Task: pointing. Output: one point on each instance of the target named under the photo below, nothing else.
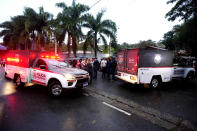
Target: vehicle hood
(73, 71)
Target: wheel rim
(190, 77)
(56, 90)
(18, 81)
(155, 83)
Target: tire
(17, 81)
(55, 89)
(79, 89)
(155, 82)
(6, 75)
(190, 76)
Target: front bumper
(80, 81)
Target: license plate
(85, 84)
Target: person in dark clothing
(109, 68)
(113, 68)
(70, 62)
(96, 66)
(74, 63)
(80, 66)
(89, 69)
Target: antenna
(95, 4)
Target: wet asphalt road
(31, 109)
(178, 98)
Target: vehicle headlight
(69, 76)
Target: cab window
(41, 64)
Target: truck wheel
(190, 76)
(155, 82)
(55, 89)
(6, 76)
(17, 81)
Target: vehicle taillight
(133, 78)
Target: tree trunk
(68, 44)
(95, 45)
(74, 46)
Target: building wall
(89, 54)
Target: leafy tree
(71, 19)
(99, 29)
(7, 32)
(183, 36)
(36, 25)
(13, 32)
(26, 29)
(183, 9)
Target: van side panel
(155, 58)
(145, 75)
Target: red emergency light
(50, 57)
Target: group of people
(107, 66)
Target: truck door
(178, 72)
(178, 69)
(131, 61)
(121, 61)
(39, 72)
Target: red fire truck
(145, 66)
(26, 67)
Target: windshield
(57, 64)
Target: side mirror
(43, 67)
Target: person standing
(109, 67)
(95, 67)
(113, 68)
(74, 63)
(103, 67)
(89, 69)
(79, 63)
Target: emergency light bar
(51, 57)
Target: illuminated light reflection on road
(8, 89)
(29, 84)
(69, 124)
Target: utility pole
(55, 42)
(55, 48)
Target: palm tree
(7, 32)
(25, 29)
(99, 29)
(71, 19)
(37, 26)
(14, 32)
